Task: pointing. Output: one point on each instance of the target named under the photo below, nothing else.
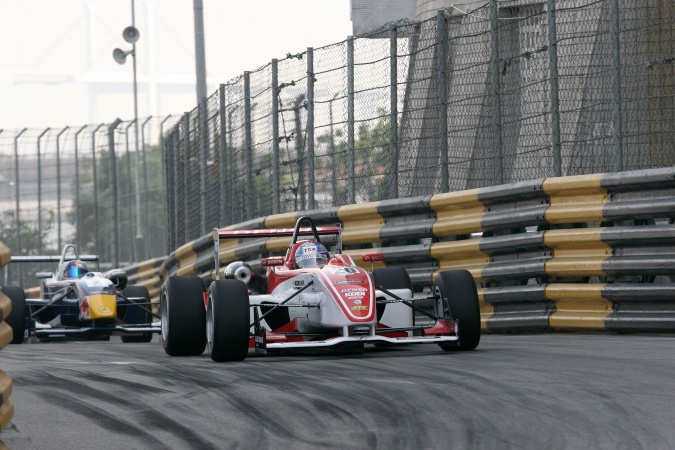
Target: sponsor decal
(354, 289)
(104, 310)
(350, 275)
(299, 283)
(272, 261)
(357, 301)
(354, 294)
(372, 257)
(344, 270)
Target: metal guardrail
(590, 252)
(585, 253)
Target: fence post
(186, 161)
(333, 156)
(132, 211)
(174, 167)
(231, 166)
(393, 112)
(441, 74)
(276, 196)
(144, 197)
(115, 244)
(94, 175)
(77, 189)
(351, 191)
(496, 100)
(616, 84)
(299, 151)
(555, 99)
(248, 149)
(58, 185)
(201, 134)
(39, 191)
(310, 128)
(223, 193)
(164, 161)
(17, 216)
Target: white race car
(312, 299)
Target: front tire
(458, 300)
(183, 316)
(17, 318)
(135, 315)
(227, 321)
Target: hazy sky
(56, 65)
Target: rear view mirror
(43, 275)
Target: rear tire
(17, 317)
(183, 316)
(227, 321)
(459, 301)
(136, 314)
(390, 278)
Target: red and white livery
(311, 298)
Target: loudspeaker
(130, 34)
(120, 56)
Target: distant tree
(32, 239)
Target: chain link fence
(59, 186)
(512, 91)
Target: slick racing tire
(459, 301)
(227, 321)
(140, 316)
(183, 316)
(390, 278)
(17, 318)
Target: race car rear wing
(275, 232)
(53, 258)
(33, 259)
(333, 230)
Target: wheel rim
(444, 309)
(164, 314)
(209, 324)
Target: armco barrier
(6, 406)
(583, 253)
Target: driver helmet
(75, 269)
(311, 254)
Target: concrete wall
(369, 15)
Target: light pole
(131, 35)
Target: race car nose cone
(102, 306)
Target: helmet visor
(315, 260)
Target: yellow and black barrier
(6, 335)
(591, 252)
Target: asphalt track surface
(517, 391)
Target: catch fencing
(59, 186)
(516, 90)
(510, 92)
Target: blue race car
(78, 303)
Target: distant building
(370, 15)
